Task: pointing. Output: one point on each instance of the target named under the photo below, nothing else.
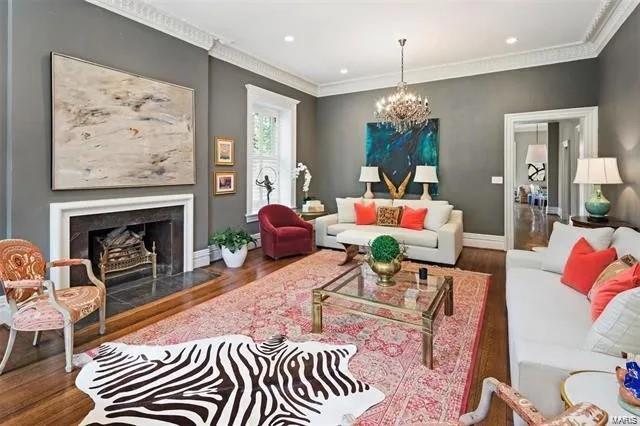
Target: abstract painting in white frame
(112, 128)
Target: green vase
(597, 206)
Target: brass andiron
(122, 250)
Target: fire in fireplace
(123, 249)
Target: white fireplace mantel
(60, 215)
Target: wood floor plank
(37, 390)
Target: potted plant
(385, 258)
(233, 245)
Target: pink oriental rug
(388, 355)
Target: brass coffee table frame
(444, 296)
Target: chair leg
(68, 347)
(102, 314)
(36, 338)
(7, 352)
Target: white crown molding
(155, 18)
(531, 127)
(236, 57)
(610, 16)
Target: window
(271, 149)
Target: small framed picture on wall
(224, 151)
(224, 183)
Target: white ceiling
(446, 38)
(362, 35)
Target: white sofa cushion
(564, 237)
(423, 238)
(617, 329)
(626, 241)
(437, 215)
(347, 212)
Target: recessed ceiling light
(511, 40)
(343, 70)
(289, 38)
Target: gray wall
(471, 112)
(3, 127)
(80, 29)
(553, 134)
(228, 117)
(619, 116)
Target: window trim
(257, 96)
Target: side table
(597, 387)
(611, 222)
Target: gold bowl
(386, 271)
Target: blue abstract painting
(397, 154)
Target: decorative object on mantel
(268, 182)
(233, 245)
(385, 258)
(396, 154)
(597, 171)
(369, 174)
(224, 183)
(224, 151)
(397, 193)
(403, 110)
(111, 128)
(302, 168)
(123, 249)
(425, 175)
(327, 392)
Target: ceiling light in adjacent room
(343, 71)
(289, 38)
(511, 40)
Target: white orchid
(307, 176)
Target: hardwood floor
(532, 226)
(36, 390)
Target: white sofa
(441, 246)
(550, 325)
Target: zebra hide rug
(227, 380)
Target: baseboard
(215, 254)
(554, 210)
(201, 257)
(494, 242)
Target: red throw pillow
(413, 218)
(625, 280)
(585, 265)
(365, 213)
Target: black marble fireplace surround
(163, 225)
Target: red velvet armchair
(283, 232)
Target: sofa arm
(450, 237)
(524, 259)
(321, 225)
(542, 368)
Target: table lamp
(597, 171)
(369, 174)
(425, 175)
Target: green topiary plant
(384, 248)
(232, 239)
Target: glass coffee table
(356, 291)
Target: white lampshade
(425, 174)
(536, 154)
(597, 171)
(369, 174)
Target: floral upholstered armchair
(583, 414)
(34, 302)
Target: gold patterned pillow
(620, 265)
(389, 216)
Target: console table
(611, 222)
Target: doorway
(541, 151)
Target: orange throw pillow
(624, 281)
(413, 218)
(585, 265)
(365, 214)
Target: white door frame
(588, 117)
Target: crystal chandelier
(403, 110)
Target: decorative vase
(386, 271)
(235, 259)
(597, 206)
